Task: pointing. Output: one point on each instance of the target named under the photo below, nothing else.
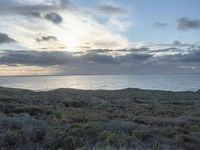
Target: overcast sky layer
(40, 37)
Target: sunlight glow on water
(174, 82)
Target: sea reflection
(175, 82)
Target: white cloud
(115, 24)
(78, 29)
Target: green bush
(69, 143)
(76, 104)
(5, 100)
(58, 115)
(115, 138)
(32, 110)
(142, 135)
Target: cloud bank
(174, 59)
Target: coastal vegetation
(69, 119)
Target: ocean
(167, 82)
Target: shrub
(32, 110)
(142, 135)
(58, 115)
(76, 104)
(38, 135)
(120, 125)
(117, 139)
(6, 100)
(69, 143)
(11, 138)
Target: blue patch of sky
(144, 13)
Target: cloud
(135, 58)
(170, 49)
(54, 17)
(143, 55)
(119, 25)
(185, 24)
(33, 14)
(109, 9)
(51, 16)
(54, 58)
(91, 58)
(189, 58)
(177, 43)
(188, 67)
(46, 38)
(106, 61)
(27, 21)
(192, 57)
(65, 3)
(160, 25)
(4, 38)
(14, 6)
(35, 58)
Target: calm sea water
(173, 82)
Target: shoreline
(77, 89)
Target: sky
(67, 37)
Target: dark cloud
(99, 51)
(33, 14)
(39, 58)
(131, 50)
(192, 57)
(65, 3)
(51, 16)
(180, 46)
(54, 17)
(138, 50)
(109, 9)
(4, 38)
(135, 58)
(14, 7)
(98, 59)
(187, 23)
(160, 25)
(101, 63)
(177, 43)
(53, 58)
(36, 58)
(46, 38)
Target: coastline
(99, 119)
